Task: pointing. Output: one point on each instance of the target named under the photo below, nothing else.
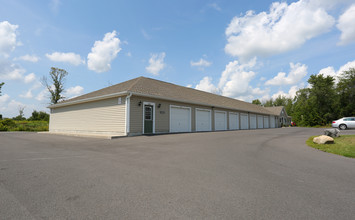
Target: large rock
(333, 132)
(323, 139)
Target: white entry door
(203, 120)
(220, 120)
(180, 119)
(233, 120)
(244, 121)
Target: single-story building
(284, 119)
(148, 106)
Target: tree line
(326, 99)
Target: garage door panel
(244, 121)
(180, 120)
(266, 122)
(252, 121)
(220, 119)
(203, 120)
(260, 121)
(272, 121)
(233, 121)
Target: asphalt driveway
(259, 174)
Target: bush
(8, 122)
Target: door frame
(152, 104)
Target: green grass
(14, 125)
(343, 145)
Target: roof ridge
(135, 82)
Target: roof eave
(88, 99)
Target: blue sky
(241, 49)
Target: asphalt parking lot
(258, 174)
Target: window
(148, 113)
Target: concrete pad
(89, 135)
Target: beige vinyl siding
(104, 116)
(161, 114)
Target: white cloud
(235, 79)
(3, 99)
(206, 85)
(29, 58)
(74, 91)
(10, 71)
(27, 95)
(71, 58)
(30, 78)
(156, 63)
(201, 63)
(42, 95)
(214, 6)
(8, 40)
(283, 28)
(291, 93)
(346, 24)
(330, 71)
(297, 73)
(103, 52)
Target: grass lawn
(343, 145)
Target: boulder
(333, 132)
(323, 139)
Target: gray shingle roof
(159, 89)
(276, 110)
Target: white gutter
(127, 115)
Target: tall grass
(13, 125)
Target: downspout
(128, 107)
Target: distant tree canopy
(256, 102)
(323, 102)
(39, 116)
(55, 85)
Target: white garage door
(260, 121)
(220, 120)
(244, 121)
(272, 121)
(203, 120)
(266, 122)
(233, 120)
(180, 119)
(252, 121)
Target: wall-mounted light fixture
(159, 105)
(139, 103)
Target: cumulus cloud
(156, 63)
(71, 58)
(8, 40)
(30, 78)
(330, 71)
(29, 58)
(297, 72)
(206, 85)
(42, 95)
(27, 95)
(201, 63)
(283, 28)
(74, 91)
(10, 71)
(235, 78)
(103, 52)
(291, 93)
(346, 24)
